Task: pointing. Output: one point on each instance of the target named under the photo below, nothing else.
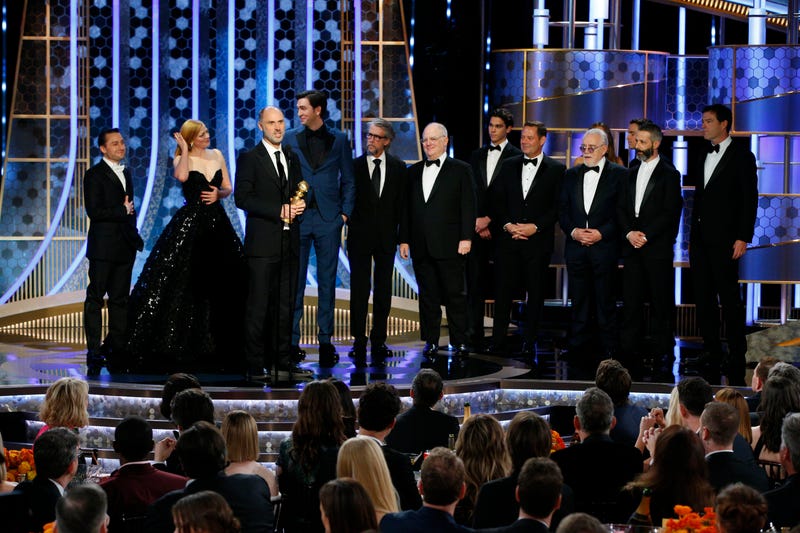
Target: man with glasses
(587, 214)
(437, 231)
(380, 181)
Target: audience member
(481, 445)
(202, 454)
(5, 485)
(56, 457)
(175, 384)
(581, 523)
(597, 468)
(307, 459)
(421, 427)
(678, 475)
(240, 432)
(740, 509)
(136, 483)
(760, 375)
(360, 458)
(378, 407)
(82, 510)
(615, 380)
(782, 501)
(187, 407)
(781, 395)
(65, 405)
(718, 428)
(442, 485)
(657, 418)
(735, 399)
(348, 409)
(345, 507)
(206, 512)
(786, 370)
(528, 436)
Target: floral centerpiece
(19, 464)
(691, 522)
(556, 442)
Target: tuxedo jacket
(41, 496)
(724, 210)
(375, 221)
(260, 193)
(782, 503)
(539, 207)
(402, 478)
(112, 232)
(434, 228)
(131, 488)
(332, 184)
(420, 428)
(602, 214)
(424, 520)
(521, 525)
(485, 184)
(660, 213)
(724, 469)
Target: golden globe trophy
(302, 189)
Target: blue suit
(331, 194)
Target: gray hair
(600, 132)
(441, 127)
(82, 509)
(786, 370)
(595, 411)
(580, 523)
(385, 125)
(790, 437)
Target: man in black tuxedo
(266, 178)
(588, 217)
(486, 162)
(525, 210)
(782, 501)
(723, 218)
(649, 213)
(437, 229)
(111, 247)
(719, 425)
(373, 235)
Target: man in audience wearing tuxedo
(783, 509)
(188, 406)
(437, 233)
(378, 407)
(83, 510)
(524, 208)
(381, 187)
(633, 126)
(486, 162)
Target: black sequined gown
(187, 308)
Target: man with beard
(649, 213)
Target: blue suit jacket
(332, 183)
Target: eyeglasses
(430, 139)
(376, 137)
(589, 148)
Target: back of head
(427, 387)
(694, 393)
(790, 437)
(133, 438)
(240, 431)
(175, 384)
(442, 477)
(781, 395)
(481, 445)
(764, 365)
(345, 398)
(361, 458)
(347, 506)
(735, 399)
(722, 422)
(679, 460)
(528, 436)
(190, 406)
(319, 422)
(581, 523)
(54, 451)
(378, 406)
(595, 411)
(201, 450)
(65, 404)
(786, 370)
(539, 486)
(615, 380)
(204, 511)
(82, 509)
(741, 509)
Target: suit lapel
(651, 184)
(601, 187)
(266, 161)
(539, 173)
(442, 171)
(721, 164)
(483, 165)
(302, 143)
(115, 179)
(503, 156)
(579, 192)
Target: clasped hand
(586, 236)
(209, 197)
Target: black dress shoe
(327, 349)
(258, 376)
(381, 351)
(297, 354)
(430, 349)
(462, 350)
(359, 351)
(286, 372)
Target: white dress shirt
(284, 161)
(712, 158)
(371, 168)
(529, 171)
(591, 179)
(646, 169)
(492, 158)
(429, 174)
(118, 170)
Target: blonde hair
(673, 416)
(240, 432)
(65, 404)
(361, 458)
(482, 446)
(189, 131)
(734, 397)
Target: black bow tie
(587, 169)
(713, 148)
(495, 147)
(525, 161)
(430, 162)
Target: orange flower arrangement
(691, 522)
(19, 463)
(556, 442)
(48, 527)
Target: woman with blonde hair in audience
(345, 507)
(65, 405)
(241, 440)
(204, 512)
(361, 458)
(735, 398)
(482, 447)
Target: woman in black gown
(186, 310)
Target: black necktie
(376, 176)
(495, 147)
(713, 148)
(525, 161)
(587, 169)
(430, 162)
(281, 171)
